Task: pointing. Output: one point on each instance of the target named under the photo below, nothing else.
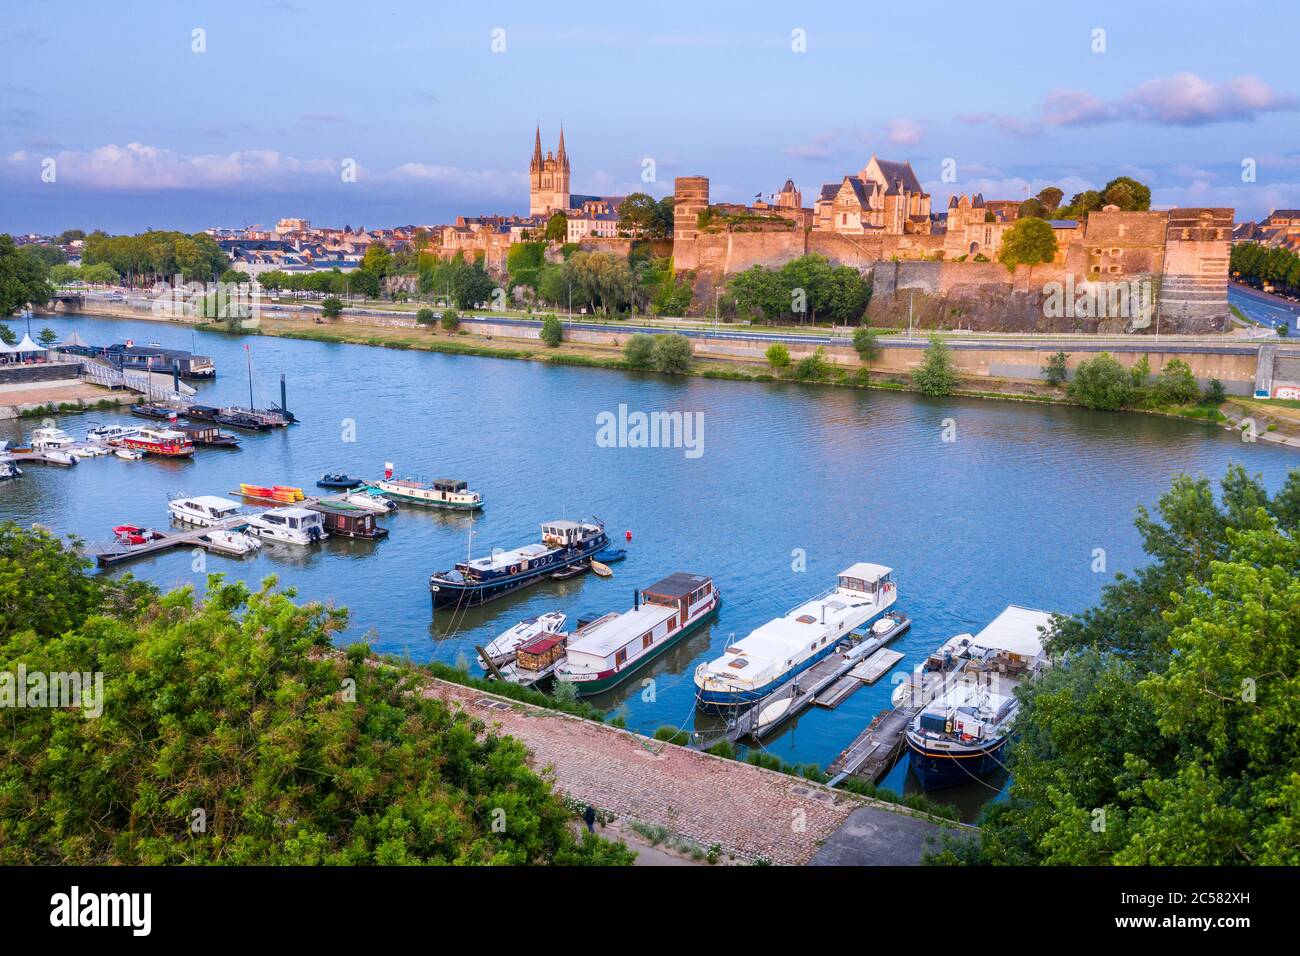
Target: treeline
(1258, 264)
(157, 256)
(297, 754)
(1103, 383)
(600, 282)
(1166, 734)
(1122, 191)
(806, 289)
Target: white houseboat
(44, 439)
(439, 493)
(755, 666)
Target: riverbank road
(750, 812)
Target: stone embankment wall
(1236, 370)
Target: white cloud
(1186, 99)
(902, 131)
(1183, 99)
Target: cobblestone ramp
(747, 810)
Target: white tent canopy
(27, 345)
(7, 349)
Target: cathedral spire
(562, 156)
(537, 148)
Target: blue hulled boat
(479, 580)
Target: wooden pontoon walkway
(116, 552)
(876, 749)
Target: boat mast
(249, 353)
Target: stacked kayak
(284, 493)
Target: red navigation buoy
(627, 535)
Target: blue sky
(145, 132)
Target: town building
(886, 197)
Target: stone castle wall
(1179, 257)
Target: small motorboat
(61, 457)
(368, 500)
(502, 650)
(129, 454)
(337, 480)
(232, 542)
(601, 569)
(108, 434)
(134, 534)
(47, 438)
(9, 469)
(610, 555)
(572, 571)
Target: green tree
(1140, 373)
(1056, 371)
(7, 335)
(234, 277)
(237, 703)
(672, 354)
(1028, 242)
(778, 356)
(1176, 385)
(1032, 207)
(638, 351)
(637, 214)
(1050, 197)
(1127, 193)
(425, 317)
(552, 331)
(22, 279)
(866, 344)
(100, 273)
(1101, 383)
(471, 285)
(450, 320)
(812, 368)
(47, 337)
(331, 307)
(937, 375)
(1169, 717)
(557, 228)
(378, 261)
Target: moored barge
(961, 733)
(606, 652)
(479, 580)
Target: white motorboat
(290, 525)
(203, 510)
(129, 454)
(232, 542)
(368, 501)
(62, 457)
(9, 469)
(108, 434)
(503, 649)
(44, 439)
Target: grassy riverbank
(587, 355)
(607, 357)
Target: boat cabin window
(860, 584)
(621, 657)
(738, 663)
(646, 639)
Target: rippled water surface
(1010, 512)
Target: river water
(793, 483)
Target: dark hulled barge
(479, 580)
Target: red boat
(166, 442)
(133, 534)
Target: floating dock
(39, 457)
(117, 552)
(876, 749)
